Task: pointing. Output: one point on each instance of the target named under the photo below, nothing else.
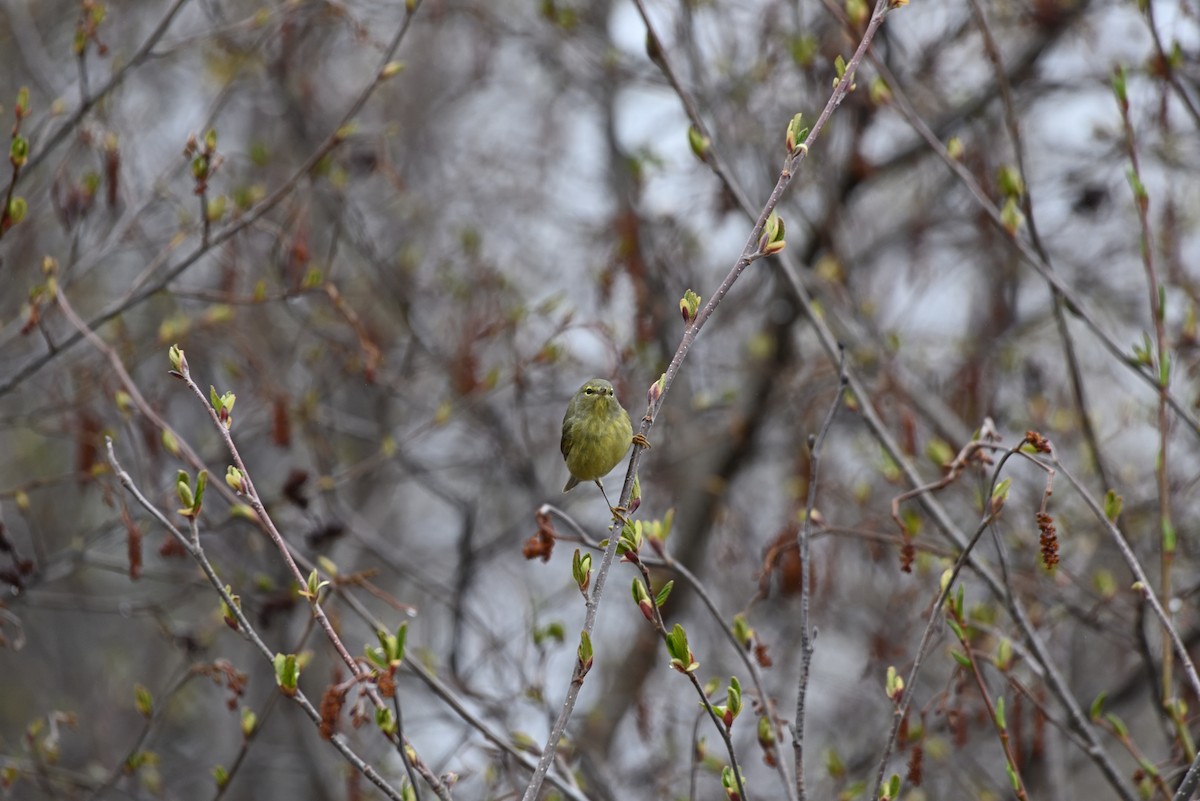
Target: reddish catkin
(915, 762)
(907, 554)
(331, 708)
(1048, 540)
(762, 655)
(387, 683)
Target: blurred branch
(935, 616)
(1013, 125)
(1143, 585)
(88, 101)
(807, 633)
(244, 626)
(260, 209)
(1027, 251)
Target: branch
(807, 633)
(244, 626)
(751, 252)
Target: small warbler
(596, 433)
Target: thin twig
(1143, 582)
(1026, 251)
(1074, 372)
(251, 495)
(1001, 727)
(807, 633)
(664, 561)
(935, 616)
(88, 101)
(256, 503)
(1161, 361)
(244, 625)
(660, 626)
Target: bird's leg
(616, 510)
(640, 439)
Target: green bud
(243, 511)
(656, 390)
(641, 597)
(689, 306)
(682, 658)
(124, 401)
(733, 703)
(18, 152)
(1011, 217)
(17, 209)
(216, 208)
(880, 93)
(178, 361)
(143, 700)
(894, 685)
(312, 279)
(939, 451)
(699, 143)
(742, 631)
(249, 722)
(183, 490)
(1000, 495)
(1010, 181)
(1004, 654)
(581, 570)
(313, 586)
(766, 732)
(227, 611)
(585, 652)
(730, 784)
(235, 480)
(553, 632)
(797, 133)
(857, 12)
(385, 720)
(287, 673)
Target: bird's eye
(587, 391)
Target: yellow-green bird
(596, 433)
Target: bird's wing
(565, 444)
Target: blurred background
(404, 279)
